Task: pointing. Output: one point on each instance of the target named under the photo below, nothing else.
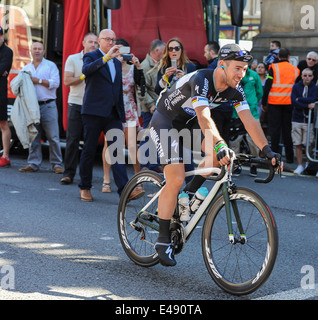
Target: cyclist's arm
(254, 129)
(207, 125)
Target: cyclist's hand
(224, 155)
(274, 157)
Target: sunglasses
(237, 54)
(311, 59)
(241, 53)
(178, 48)
(307, 75)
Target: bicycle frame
(209, 198)
(204, 205)
(222, 181)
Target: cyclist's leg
(169, 147)
(174, 174)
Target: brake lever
(278, 165)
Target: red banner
(140, 22)
(76, 17)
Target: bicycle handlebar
(219, 176)
(243, 158)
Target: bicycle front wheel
(241, 263)
(138, 222)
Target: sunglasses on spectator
(307, 75)
(178, 48)
(312, 59)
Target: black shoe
(253, 171)
(165, 253)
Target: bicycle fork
(227, 190)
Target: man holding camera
(102, 109)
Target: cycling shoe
(165, 253)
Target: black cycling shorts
(174, 141)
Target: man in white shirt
(46, 79)
(74, 79)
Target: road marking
(13, 191)
(106, 238)
(294, 294)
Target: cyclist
(185, 105)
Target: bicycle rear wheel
(138, 227)
(242, 266)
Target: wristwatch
(40, 81)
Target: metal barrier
(314, 152)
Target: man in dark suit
(102, 110)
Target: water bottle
(198, 198)
(184, 209)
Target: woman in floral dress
(132, 75)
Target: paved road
(54, 246)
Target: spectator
(6, 56)
(148, 105)
(277, 91)
(46, 79)
(132, 76)
(167, 74)
(253, 90)
(310, 62)
(304, 95)
(261, 70)
(102, 109)
(254, 65)
(211, 51)
(74, 79)
(272, 57)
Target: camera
(174, 63)
(127, 57)
(124, 49)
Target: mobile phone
(124, 49)
(174, 63)
(127, 57)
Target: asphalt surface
(54, 246)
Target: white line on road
(294, 294)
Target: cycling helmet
(233, 52)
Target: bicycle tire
(137, 238)
(240, 268)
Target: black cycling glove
(223, 150)
(270, 154)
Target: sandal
(106, 187)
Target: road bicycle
(239, 234)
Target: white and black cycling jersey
(196, 89)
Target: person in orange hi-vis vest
(277, 99)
